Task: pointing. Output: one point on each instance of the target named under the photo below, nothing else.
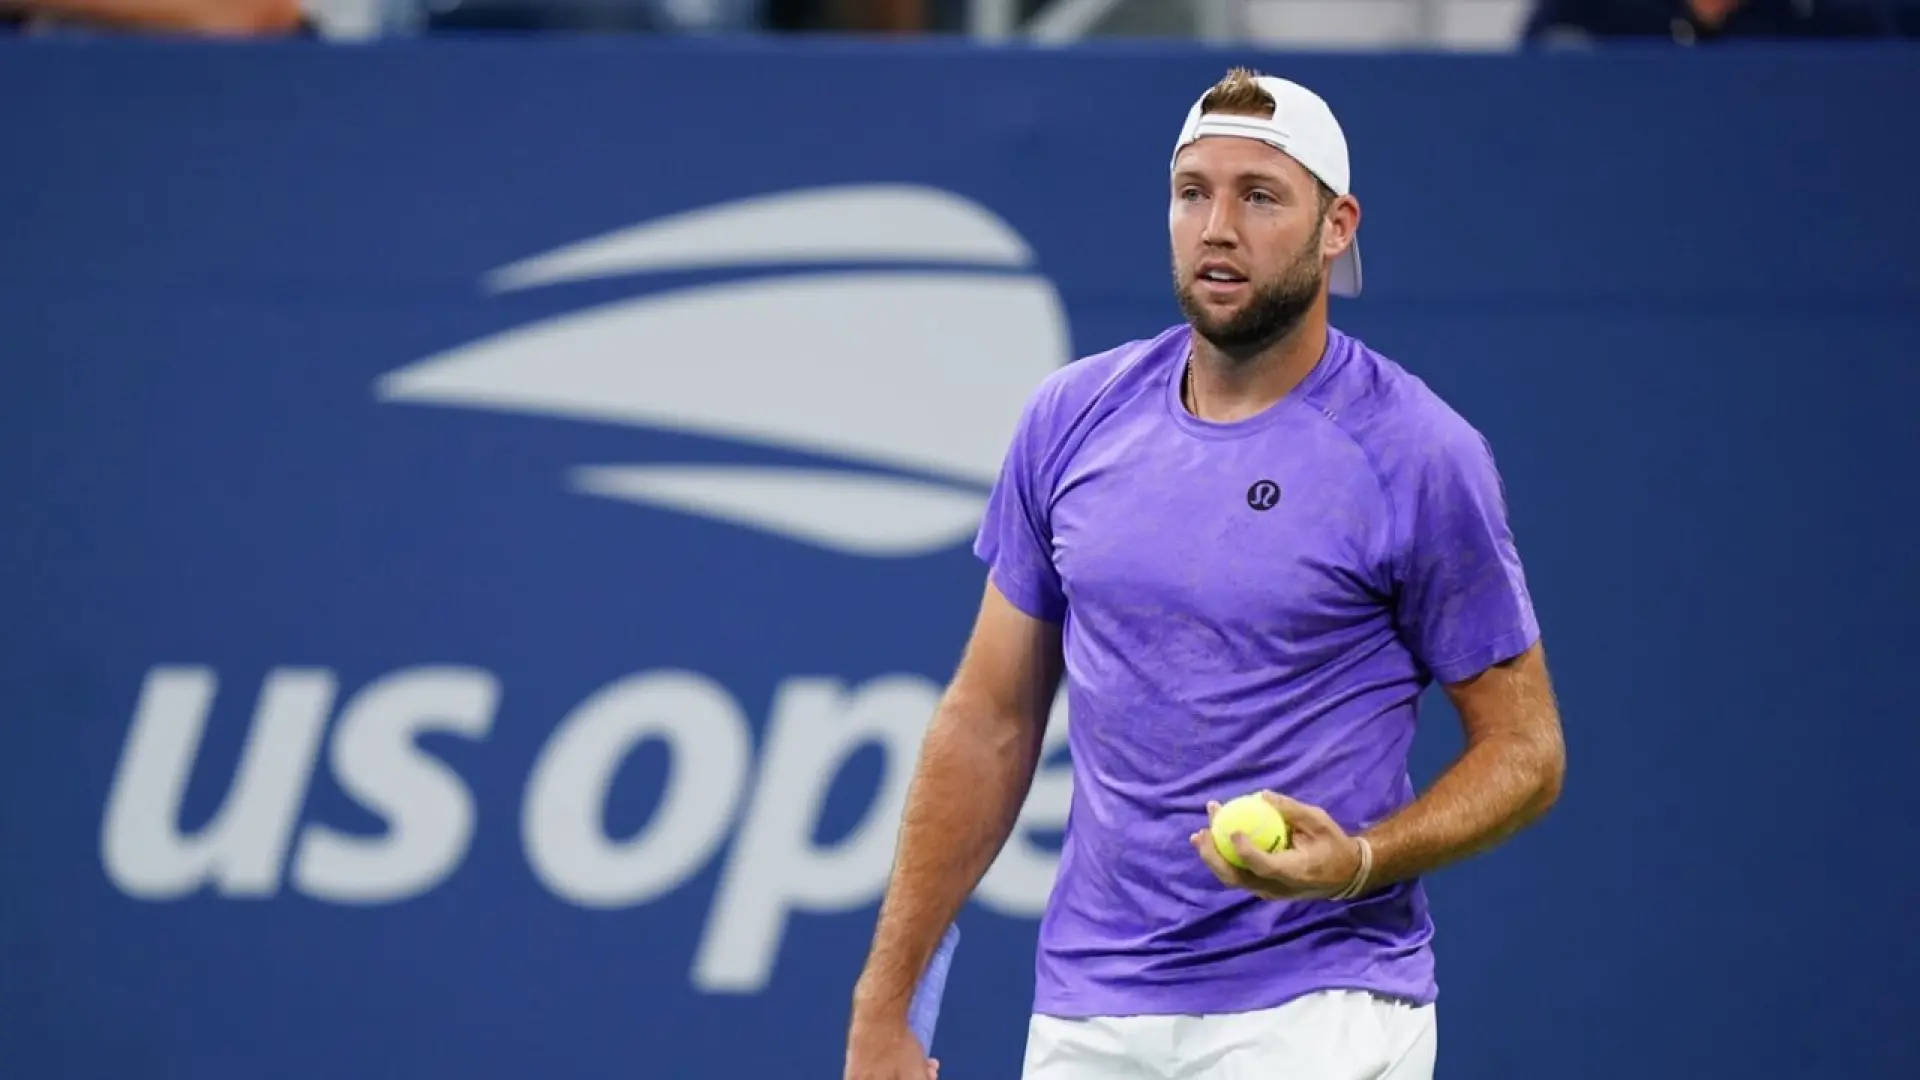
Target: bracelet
(1360, 875)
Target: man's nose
(1219, 230)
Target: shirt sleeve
(1015, 538)
(1461, 600)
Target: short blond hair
(1238, 94)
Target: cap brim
(1346, 272)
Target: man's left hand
(1318, 861)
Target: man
(901, 16)
(1690, 22)
(219, 18)
(1249, 542)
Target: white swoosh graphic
(852, 513)
(921, 371)
(853, 223)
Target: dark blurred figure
(1691, 21)
(895, 16)
(675, 16)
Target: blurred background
(1469, 25)
(488, 486)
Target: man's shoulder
(1393, 414)
(1084, 387)
(1402, 423)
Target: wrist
(878, 1006)
(1362, 870)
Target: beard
(1275, 308)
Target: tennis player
(1248, 544)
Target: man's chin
(1217, 321)
(1244, 327)
(1230, 331)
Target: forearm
(974, 771)
(1496, 787)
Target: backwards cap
(1301, 127)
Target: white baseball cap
(1301, 127)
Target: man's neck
(1224, 386)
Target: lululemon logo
(1263, 494)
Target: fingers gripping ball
(1254, 816)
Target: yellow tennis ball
(1254, 816)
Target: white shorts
(1328, 1035)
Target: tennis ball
(1254, 816)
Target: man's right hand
(976, 764)
(878, 1050)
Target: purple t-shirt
(1247, 605)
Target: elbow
(984, 725)
(1549, 777)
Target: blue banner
(488, 524)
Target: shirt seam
(1379, 483)
(1072, 435)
